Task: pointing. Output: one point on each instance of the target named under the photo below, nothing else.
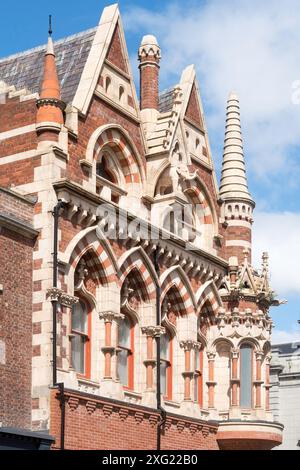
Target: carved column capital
(109, 316)
(187, 344)
(268, 358)
(235, 353)
(57, 295)
(153, 331)
(259, 355)
(211, 355)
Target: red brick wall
(193, 110)
(15, 113)
(115, 54)
(19, 172)
(149, 85)
(15, 317)
(95, 423)
(238, 233)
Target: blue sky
(249, 46)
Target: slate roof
(25, 70)
(287, 348)
(166, 99)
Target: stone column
(235, 381)
(267, 382)
(187, 346)
(108, 349)
(211, 375)
(151, 332)
(258, 382)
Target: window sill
(132, 397)
(86, 381)
(171, 403)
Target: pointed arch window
(81, 332)
(102, 168)
(125, 356)
(246, 375)
(166, 365)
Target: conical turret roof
(233, 178)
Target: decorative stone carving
(188, 344)
(211, 355)
(109, 316)
(57, 295)
(153, 331)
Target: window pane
(123, 367)
(196, 385)
(78, 353)
(246, 377)
(79, 317)
(163, 378)
(124, 333)
(164, 347)
(197, 362)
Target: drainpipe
(61, 388)
(161, 410)
(56, 213)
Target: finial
(50, 26)
(265, 258)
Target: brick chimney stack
(149, 57)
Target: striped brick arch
(197, 197)
(97, 259)
(207, 298)
(136, 263)
(177, 292)
(116, 141)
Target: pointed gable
(115, 54)
(193, 113)
(107, 71)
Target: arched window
(246, 358)
(125, 352)
(80, 344)
(121, 94)
(198, 377)
(107, 84)
(102, 168)
(166, 365)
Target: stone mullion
(235, 381)
(267, 383)
(187, 346)
(211, 382)
(108, 349)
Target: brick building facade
(178, 282)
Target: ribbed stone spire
(233, 178)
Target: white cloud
(280, 336)
(252, 47)
(279, 234)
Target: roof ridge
(43, 46)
